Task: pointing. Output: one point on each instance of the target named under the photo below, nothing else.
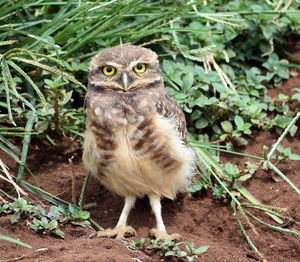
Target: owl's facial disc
(124, 69)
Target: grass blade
(9, 144)
(26, 76)
(280, 229)
(50, 69)
(203, 157)
(15, 241)
(244, 192)
(26, 142)
(245, 234)
(81, 197)
(284, 177)
(6, 86)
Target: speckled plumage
(135, 140)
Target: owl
(135, 140)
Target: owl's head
(124, 68)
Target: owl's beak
(125, 81)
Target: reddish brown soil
(201, 219)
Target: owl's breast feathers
(136, 143)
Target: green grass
(218, 60)
(15, 241)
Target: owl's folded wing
(168, 107)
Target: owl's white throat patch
(97, 111)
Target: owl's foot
(163, 235)
(119, 232)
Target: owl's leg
(121, 230)
(160, 232)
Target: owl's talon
(93, 235)
(119, 232)
(163, 235)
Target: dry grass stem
(10, 180)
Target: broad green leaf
(74, 210)
(296, 97)
(200, 250)
(84, 215)
(168, 67)
(294, 157)
(52, 225)
(245, 177)
(190, 259)
(58, 233)
(241, 141)
(187, 81)
(239, 122)
(293, 130)
(15, 217)
(180, 96)
(201, 101)
(170, 253)
(201, 123)
(268, 30)
(227, 126)
(54, 212)
(66, 99)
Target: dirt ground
(201, 219)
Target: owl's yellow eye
(108, 70)
(140, 68)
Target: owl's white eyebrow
(113, 64)
(133, 64)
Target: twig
(10, 180)
(271, 42)
(7, 195)
(154, 41)
(73, 180)
(209, 58)
(27, 255)
(279, 4)
(3, 200)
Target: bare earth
(202, 219)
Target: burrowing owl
(135, 140)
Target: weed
(285, 154)
(46, 223)
(47, 226)
(169, 249)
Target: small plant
(285, 154)
(236, 134)
(280, 122)
(232, 172)
(276, 70)
(74, 215)
(198, 185)
(47, 227)
(242, 127)
(58, 115)
(169, 249)
(47, 223)
(194, 252)
(21, 208)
